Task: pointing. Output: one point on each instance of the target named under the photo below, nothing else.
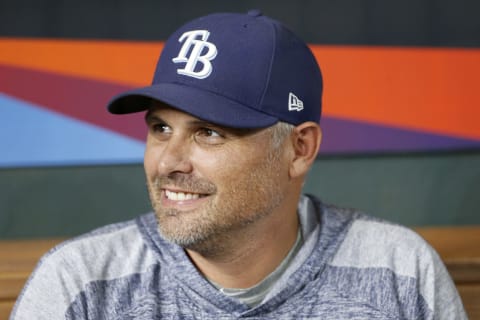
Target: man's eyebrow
(235, 131)
(150, 117)
(203, 123)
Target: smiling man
(227, 195)
(233, 118)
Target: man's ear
(306, 139)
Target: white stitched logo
(197, 39)
(294, 104)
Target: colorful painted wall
(377, 99)
(401, 84)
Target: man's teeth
(180, 196)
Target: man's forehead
(158, 108)
(174, 117)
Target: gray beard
(210, 242)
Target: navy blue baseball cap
(234, 70)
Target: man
(232, 117)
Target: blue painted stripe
(33, 136)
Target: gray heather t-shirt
(254, 295)
(351, 266)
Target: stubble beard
(210, 229)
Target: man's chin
(179, 232)
(201, 241)
(186, 242)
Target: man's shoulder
(106, 252)
(363, 229)
(111, 252)
(102, 239)
(368, 242)
(392, 267)
(372, 241)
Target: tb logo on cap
(198, 40)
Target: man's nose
(175, 157)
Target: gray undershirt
(254, 295)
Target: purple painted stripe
(85, 100)
(76, 97)
(348, 136)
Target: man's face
(206, 181)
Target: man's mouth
(182, 196)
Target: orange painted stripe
(428, 89)
(123, 62)
(435, 90)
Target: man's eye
(208, 136)
(160, 127)
(207, 132)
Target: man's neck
(250, 254)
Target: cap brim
(199, 103)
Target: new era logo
(294, 104)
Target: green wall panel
(414, 190)
(66, 201)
